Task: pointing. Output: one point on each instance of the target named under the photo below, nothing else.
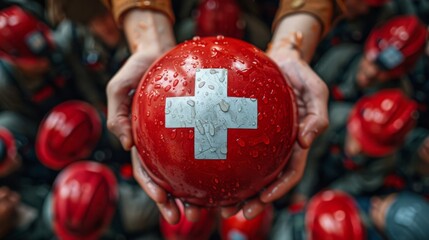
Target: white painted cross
(211, 112)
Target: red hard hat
(84, 200)
(238, 227)
(23, 38)
(185, 229)
(381, 121)
(219, 17)
(68, 133)
(214, 121)
(9, 151)
(333, 215)
(396, 45)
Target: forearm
(149, 31)
(302, 31)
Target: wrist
(120, 8)
(285, 53)
(148, 31)
(287, 47)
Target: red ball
(214, 121)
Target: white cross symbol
(211, 112)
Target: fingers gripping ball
(238, 227)
(186, 229)
(214, 121)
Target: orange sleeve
(322, 10)
(119, 7)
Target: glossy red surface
(254, 157)
(219, 17)
(333, 215)
(407, 34)
(68, 133)
(21, 34)
(238, 227)
(84, 200)
(380, 122)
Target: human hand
(288, 179)
(149, 34)
(119, 91)
(312, 98)
(168, 206)
(165, 203)
(8, 210)
(379, 208)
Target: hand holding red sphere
(214, 121)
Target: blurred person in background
(411, 171)
(107, 208)
(333, 214)
(92, 36)
(390, 53)
(361, 146)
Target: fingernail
(268, 196)
(14, 197)
(168, 213)
(165, 211)
(308, 138)
(226, 214)
(249, 213)
(123, 140)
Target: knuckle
(111, 124)
(324, 123)
(111, 87)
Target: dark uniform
(136, 215)
(413, 170)
(290, 223)
(419, 8)
(420, 89)
(32, 181)
(351, 31)
(25, 101)
(338, 69)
